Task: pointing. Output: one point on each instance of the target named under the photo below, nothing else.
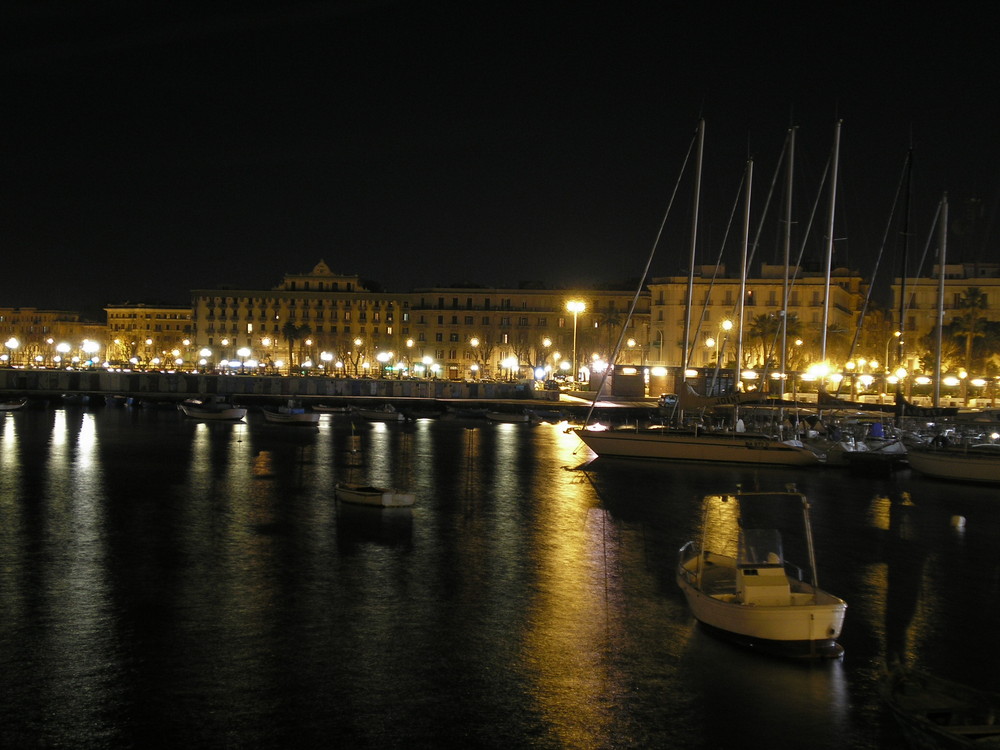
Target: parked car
(667, 400)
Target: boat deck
(718, 580)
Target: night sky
(150, 148)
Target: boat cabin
(760, 569)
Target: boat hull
(958, 464)
(376, 496)
(233, 414)
(656, 444)
(299, 418)
(807, 627)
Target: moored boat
(936, 713)
(693, 445)
(13, 404)
(327, 409)
(744, 588)
(291, 413)
(383, 497)
(964, 463)
(387, 413)
(212, 407)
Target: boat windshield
(760, 548)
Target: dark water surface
(171, 583)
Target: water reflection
(576, 617)
(166, 582)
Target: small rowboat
(383, 497)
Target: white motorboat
(744, 588)
(692, 445)
(383, 497)
(212, 407)
(292, 413)
(971, 463)
(13, 405)
(387, 413)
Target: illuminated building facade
(45, 338)
(149, 335)
(716, 297)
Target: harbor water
(166, 582)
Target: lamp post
(474, 343)
(357, 355)
(12, 343)
(576, 307)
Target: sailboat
(735, 446)
(964, 463)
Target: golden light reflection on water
(575, 619)
(10, 460)
(82, 627)
(720, 527)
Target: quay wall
(180, 385)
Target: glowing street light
(576, 307)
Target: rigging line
(718, 262)
(927, 245)
(808, 230)
(878, 261)
(752, 251)
(760, 224)
(642, 280)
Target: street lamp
(12, 344)
(474, 343)
(576, 307)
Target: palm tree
(290, 332)
(303, 332)
(971, 325)
(767, 329)
(610, 320)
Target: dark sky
(149, 148)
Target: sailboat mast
(694, 242)
(942, 254)
(743, 272)
(829, 236)
(788, 260)
(904, 270)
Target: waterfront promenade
(263, 389)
